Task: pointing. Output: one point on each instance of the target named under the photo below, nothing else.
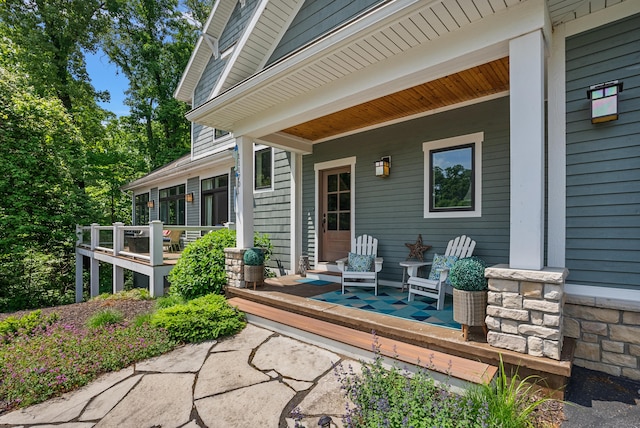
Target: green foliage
(253, 257)
(468, 274)
(104, 318)
(201, 267)
(511, 402)
(204, 318)
(393, 398)
(57, 359)
(170, 300)
(26, 324)
(133, 294)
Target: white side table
(411, 267)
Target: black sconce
(604, 101)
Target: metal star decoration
(416, 250)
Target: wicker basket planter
(254, 274)
(469, 307)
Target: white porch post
(94, 271)
(296, 211)
(79, 274)
(526, 74)
(155, 243)
(244, 194)
(118, 245)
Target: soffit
(483, 80)
(561, 11)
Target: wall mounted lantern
(383, 166)
(604, 101)
(189, 197)
(150, 204)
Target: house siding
(193, 208)
(316, 18)
(202, 136)
(603, 160)
(272, 213)
(392, 209)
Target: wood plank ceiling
(483, 80)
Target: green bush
(105, 317)
(468, 274)
(26, 324)
(204, 318)
(201, 268)
(133, 294)
(253, 257)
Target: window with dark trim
(263, 165)
(219, 133)
(172, 205)
(452, 183)
(141, 210)
(215, 200)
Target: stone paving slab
(163, 399)
(103, 403)
(294, 359)
(225, 371)
(68, 406)
(254, 406)
(186, 359)
(327, 396)
(249, 338)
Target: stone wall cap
(547, 275)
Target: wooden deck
(286, 294)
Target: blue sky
(104, 76)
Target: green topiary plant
(253, 257)
(468, 274)
(200, 270)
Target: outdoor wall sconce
(150, 204)
(383, 166)
(189, 197)
(604, 101)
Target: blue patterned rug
(314, 281)
(391, 301)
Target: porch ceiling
(486, 79)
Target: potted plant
(254, 266)
(469, 293)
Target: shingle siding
(392, 209)
(603, 160)
(316, 18)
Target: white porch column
(118, 245)
(155, 243)
(244, 194)
(296, 211)
(526, 74)
(79, 274)
(556, 113)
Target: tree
(151, 41)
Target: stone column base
(524, 310)
(234, 267)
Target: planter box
(469, 309)
(254, 274)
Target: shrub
(204, 318)
(104, 318)
(253, 257)
(170, 300)
(133, 294)
(26, 324)
(468, 274)
(201, 267)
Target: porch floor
(288, 294)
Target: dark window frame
(178, 198)
(212, 192)
(141, 215)
(432, 152)
(263, 186)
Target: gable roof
(205, 48)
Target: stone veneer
(234, 267)
(524, 310)
(607, 332)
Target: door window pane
(332, 183)
(345, 221)
(332, 202)
(345, 181)
(345, 201)
(332, 221)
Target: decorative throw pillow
(440, 263)
(359, 262)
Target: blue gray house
(294, 101)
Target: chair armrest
(341, 263)
(413, 270)
(444, 273)
(378, 262)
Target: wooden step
(439, 362)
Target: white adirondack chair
(362, 245)
(461, 247)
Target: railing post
(118, 245)
(94, 273)
(155, 243)
(79, 278)
(78, 235)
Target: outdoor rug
(314, 281)
(391, 301)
